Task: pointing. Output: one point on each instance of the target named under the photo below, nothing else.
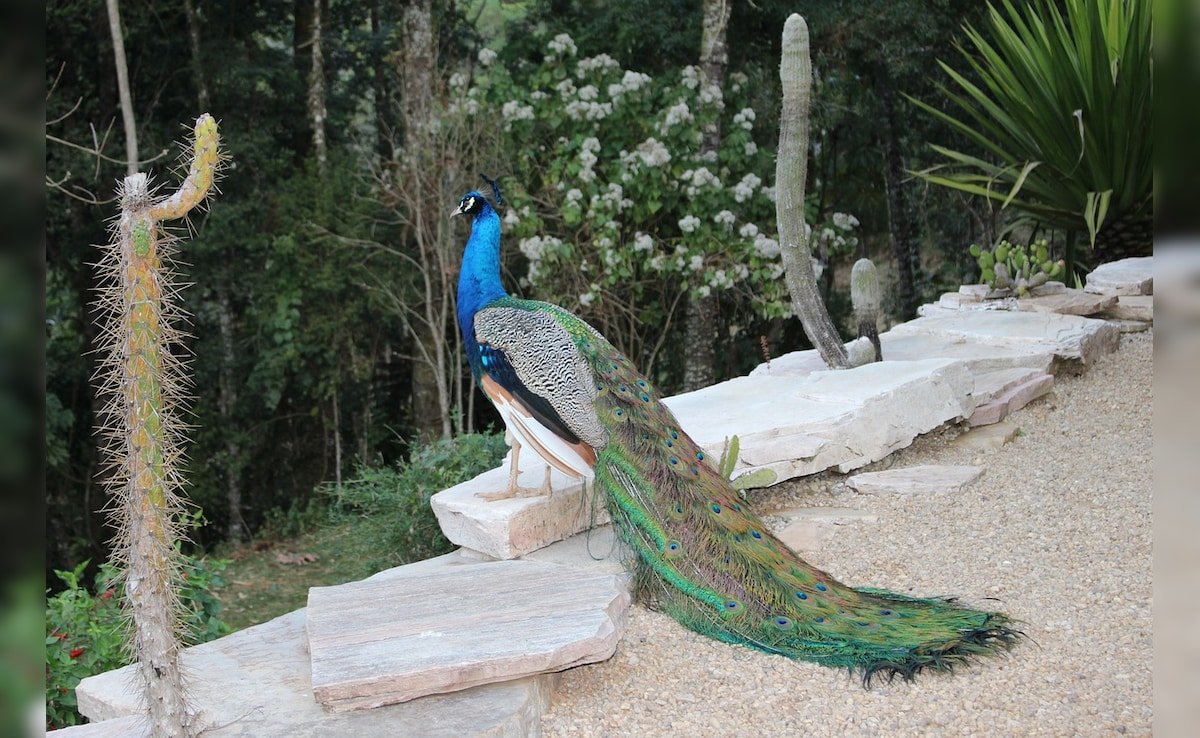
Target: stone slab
(1132, 307)
(1131, 326)
(990, 385)
(925, 479)
(1011, 400)
(976, 356)
(955, 300)
(598, 550)
(505, 529)
(1050, 288)
(807, 530)
(1068, 302)
(380, 642)
(1072, 339)
(988, 437)
(257, 682)
(978, 291)
(1133, 276)
(843, 419)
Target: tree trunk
(316, 89)
(702, 311)
(900, 224)
(193, 19)
(302, 61)
(430, 388)
(383, 117)
(226, 401)
(118, 38)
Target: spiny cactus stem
(791, 170)
(145, 380)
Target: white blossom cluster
(750, 149)
(737, 81)
(580, 110)
(458, 80)
(587, 298)
(631, 82)
(725, 218)
(588, 92)
(691, 77)
(745, 189)
(566, 89)
(696, 179)
(720, 280)
(534, 247)
(748, 230)
(653, 152)
(676, 114)
(595, 63)
(689, 223)
(845, 221)
(745, 118)
(486, 57)
(513, 111)
(513, 216)
(613, 198)
(562, 44)
(767, 248)
(642, 242)
(711, 95)
(574, 195)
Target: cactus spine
(791, 170)
(865, 297)
(145, 382)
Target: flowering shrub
(85, 630)
(612, 200)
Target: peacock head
(475, 203)
(472, 203)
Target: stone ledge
(381, 641)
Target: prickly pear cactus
(1017, 267)
(145, 382)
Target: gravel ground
(1057, 534)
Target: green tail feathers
(707, 560)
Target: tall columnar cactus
(865, 297)
(145, 381)
(791, 169)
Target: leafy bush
(86, 629)
(400, 494)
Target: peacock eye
(468, 204)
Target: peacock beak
(458, 210)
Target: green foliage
(1059, 116)
(1017, 267)
(400, 494)
(85, 628)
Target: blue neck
(479, 277)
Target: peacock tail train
(707, 560)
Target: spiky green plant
(866, 298)
(1060, 117)
(144, 377)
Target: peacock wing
(535, 374)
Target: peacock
(702, 555)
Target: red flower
(76, 653)
(106, 594)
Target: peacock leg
(514, 471)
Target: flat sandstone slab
(1132, 307)
(1071, 338)
(1068, 302)
(1133, 276)
(923, 479)
(387, 640)
(506, 529)
(257, 682)
(1011, 400)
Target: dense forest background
(321, 278)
